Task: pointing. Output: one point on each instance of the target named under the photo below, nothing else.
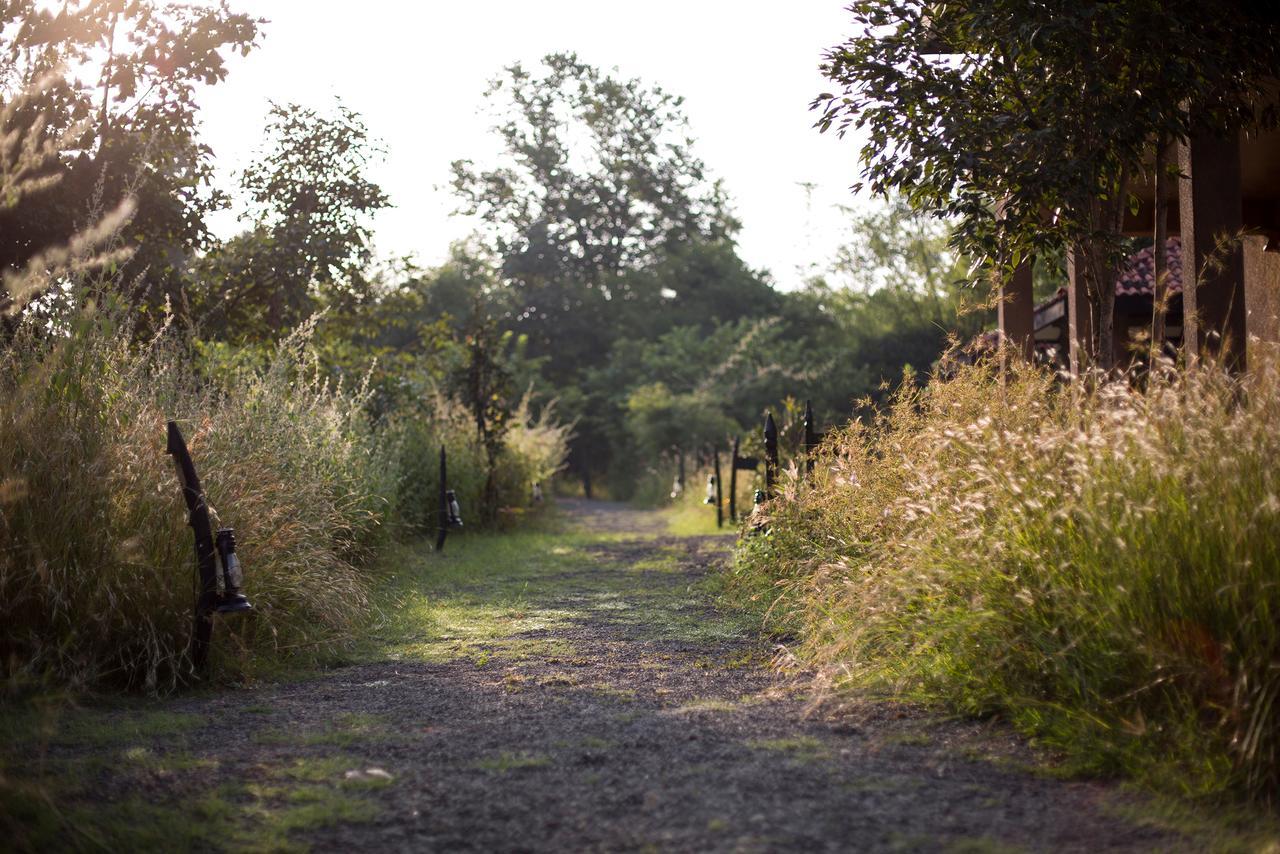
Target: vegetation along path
(581, 690)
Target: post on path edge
(810, 437)
(715, 456)
(770, 454)
(208, 551)
(738, 463)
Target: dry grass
(1101, 567)
(96, 561)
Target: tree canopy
(1026, 122)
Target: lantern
(455, 512)
(232, 601)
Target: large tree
(310, 240)
(117, 81)
(1028, 120)
(603, 219)
(597, 179)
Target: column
(1209, 205)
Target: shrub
(1103, 567)
(533, 451)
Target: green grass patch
(804, 748)
(507, 761)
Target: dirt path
(583, 692)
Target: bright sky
(416, 72)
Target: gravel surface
(649, 720)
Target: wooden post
(770, 454)
(1209, 201)
(733, 482)
(715, 456)
(810, 437)
(442, 515)
(1016, 311)
(206, 565)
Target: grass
(1101, 568)
(492, 597)
(802, 748)
(690, 516)
(96, 569)
(508, 761)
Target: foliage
(124, 126)
(1097, 566)
(1026, 122)
(597, 179)
(309, 245)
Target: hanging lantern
(759, 499)
(711, 490)
(455, 512)
(233, 600)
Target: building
(1225, 208)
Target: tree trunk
(1107, 217)
(1160, 294)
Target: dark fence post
(442, 515)
(770, 454)
(198, 519)
(733, 482)
(719, 495)
(810, 437)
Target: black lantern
(759, 499)
(455, 512)
(232, 601)
(711, 490)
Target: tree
(1027, 121)
(483, 383)
(598, 179)
(127, 125)
(310, 243)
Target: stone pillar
(1082, 343)
(1209, 203)
(1017, 311)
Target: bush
(1102, 567)
(533, 451)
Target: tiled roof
(1138, 279)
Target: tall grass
(96, 561)
(96, 580)
(534, 448)
(1102, 567)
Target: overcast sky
(416, 72)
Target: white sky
(416, 72)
